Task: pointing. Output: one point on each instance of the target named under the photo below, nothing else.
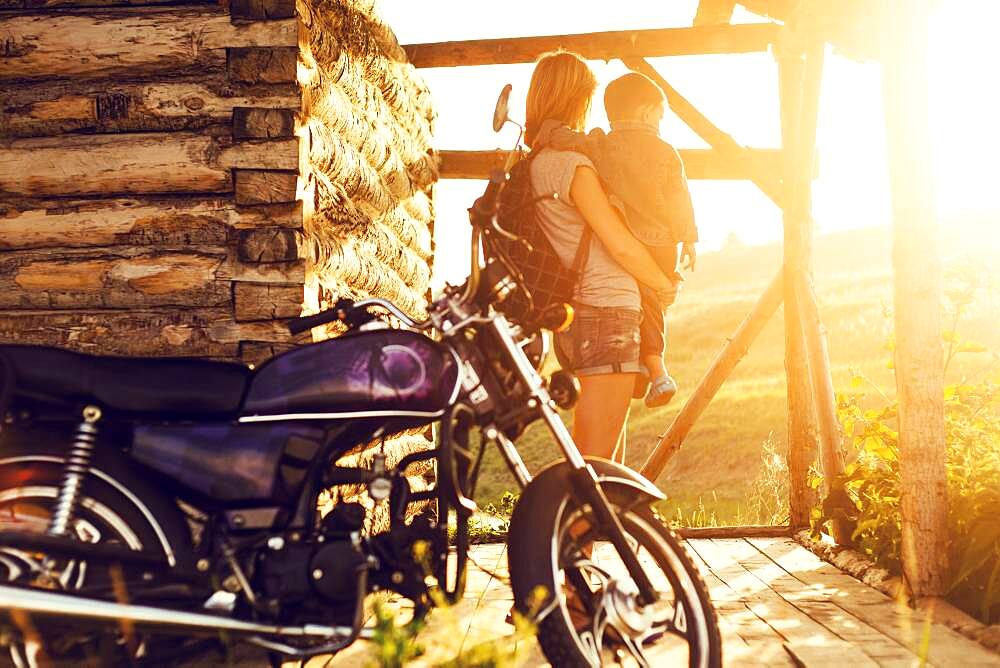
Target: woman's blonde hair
(562, 87)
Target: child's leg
(662, 386)
(654, 335)
(652, 343)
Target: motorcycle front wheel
(571, 581)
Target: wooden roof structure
(797, 32)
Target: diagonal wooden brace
(735, 350)
(707, 130)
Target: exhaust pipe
(47, 603)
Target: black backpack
(542, 273)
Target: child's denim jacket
(643, 173)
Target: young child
(645, 179)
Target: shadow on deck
(778, 605)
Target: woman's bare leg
(601, 411)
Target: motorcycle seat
(175, 387)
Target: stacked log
(148, 176)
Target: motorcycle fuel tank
(389, 372)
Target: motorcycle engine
(314, 581)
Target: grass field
(713, 472)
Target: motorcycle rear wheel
(594, 619)
(28, 492)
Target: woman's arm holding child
(608, 226)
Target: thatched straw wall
(367, 120)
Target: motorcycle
(153, 508)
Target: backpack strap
(582, 250)
(583, 246)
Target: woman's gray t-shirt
(604, 282)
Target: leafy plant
(394, 644)
(492, 523)
(872, 480)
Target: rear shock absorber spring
(74, 471)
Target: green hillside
(722, 455)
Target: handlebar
(346, 310)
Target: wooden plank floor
(778, 605)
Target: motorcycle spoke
(67, 573)
(580, 586)
(600, 627)
(591, 572)
(634, 647)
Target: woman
(602, 345)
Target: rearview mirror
(500, 116)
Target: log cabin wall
(167, 186)
(148, 176)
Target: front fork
(586, 486)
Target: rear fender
(111, 469)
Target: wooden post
(736, 348)
(802, 444)
(919, 364)
(798, 226)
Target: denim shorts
(600, 341)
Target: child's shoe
(662, 391)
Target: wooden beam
(72, 4)
(745, 38)
(182, 331)
(138, 163)
(169, 222)
(709, 132)
(917, 306)
(798, 207)
(735, 349)
(264, 301)
(51, 108)
(711, 12)
(113, 278)
(704, 164)
(130, 43)
(755, 531)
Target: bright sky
(739, 94)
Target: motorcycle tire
(115, 506)
(537, 548)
